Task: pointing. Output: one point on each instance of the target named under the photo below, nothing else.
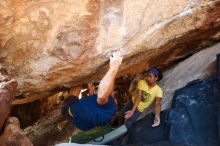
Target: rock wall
(29, 113)
(13, 135)
(7, 93)
(48, 43)
(201, 65)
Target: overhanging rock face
(45, 44)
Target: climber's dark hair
(156, 72)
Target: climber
(147, 91)
(95, 109)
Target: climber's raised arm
(107, 82)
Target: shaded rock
(163, 143)
(46, 44)
(218, 66)
(199, 66)
(13, 135)
(29, 113)
(142, 131)
(45, 131)
(7, 93)
(194, 118)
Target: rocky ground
(45, 131)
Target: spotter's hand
(128, 114)
(156, 121)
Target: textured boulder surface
(13, 135)
(48, 44)
(7, 93)
(199, 66)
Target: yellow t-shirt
(148, 95)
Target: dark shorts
(68, 102)
(133, 119)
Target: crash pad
(86, 136)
